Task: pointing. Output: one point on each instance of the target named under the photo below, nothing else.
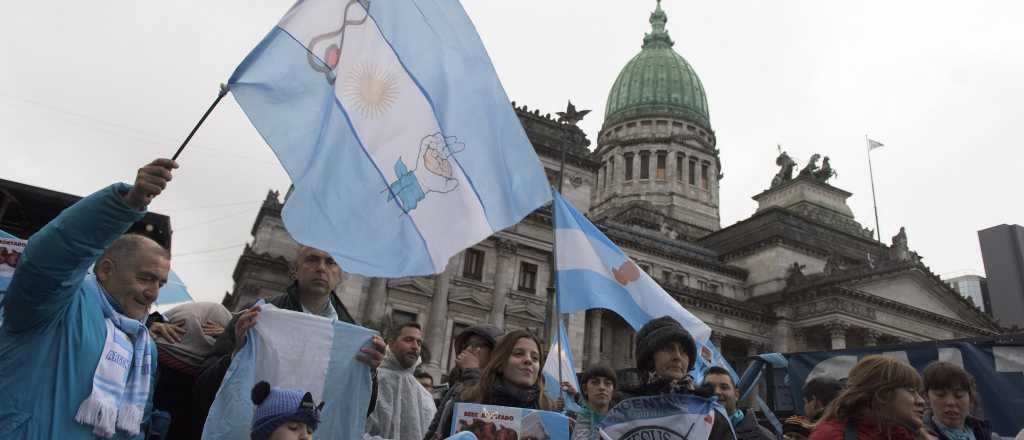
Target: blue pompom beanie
(276, 406)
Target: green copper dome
(657, 82)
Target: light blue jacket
(53, 333)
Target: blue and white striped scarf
(120, 385)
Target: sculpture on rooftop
(786, 165)
(811, 167)
(825, 172)
(571, 116)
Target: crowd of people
(81, 357)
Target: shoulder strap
(850, 431)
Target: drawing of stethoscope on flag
(324, 59)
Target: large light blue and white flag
(321, 362)
(594, 273)
(174, 292)
(560, 349)
(397, 135)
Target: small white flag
(872, 144)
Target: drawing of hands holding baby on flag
(434, 171)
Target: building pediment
(913, 288)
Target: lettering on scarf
(118, 359)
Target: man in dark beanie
(664, 355)
(473, 349)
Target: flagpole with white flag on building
(872, 144)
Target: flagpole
(220, 95)
(874, 199)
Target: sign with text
(489, 422)
(664, 417)
(10, 252)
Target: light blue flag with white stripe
(560, 349)
(321, 362)
(397, 135)
(594, 273)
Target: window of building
(681, 279)
(645, 165)
(679, 167)
(631, 125)
(629, 166)
(399, 317)
(713, 288)
(474, 264)
(666, 276)
(645, 123)
(693, 172)
(702, 285)
(604, 176)
(552, 176)
(659, 170)
(528, 277)
(704, 182)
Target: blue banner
(664, 417)
(997, 365)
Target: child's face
(292, 431)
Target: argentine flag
(389, 118)
(321, 362)
(560, 357)
(594, 273)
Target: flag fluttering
(560, 357)
(594, 273)
(399, 139)
(872, 144)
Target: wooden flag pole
(220, 95)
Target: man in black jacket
(744, 423)
(316, 274)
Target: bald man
(76, 361)
(315, 275)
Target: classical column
(593, 337)
(502, 279)
(376, 304)
(438, 320)
(837, 331)
(799, 340)
(871, 337)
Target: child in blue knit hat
(283, 414)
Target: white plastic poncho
(404, 408)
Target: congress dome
(657, 82)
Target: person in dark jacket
(882, 401)
(664, 350)
(817, 394)
(315, 274)
(511, 378)
(473, 349)
(952, 394)
(744, 423)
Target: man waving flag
(391, 122)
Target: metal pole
(874, 199)
(557, 314)
(220, 95)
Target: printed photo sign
(490, 422)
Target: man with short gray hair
(76, 360)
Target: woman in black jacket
(511, 378)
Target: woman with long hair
(882, 401)
(510, 378)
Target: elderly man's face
(316, 271)
(135, 282)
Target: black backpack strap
(850, 431)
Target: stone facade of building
(800, 274)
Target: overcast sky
(89, 91)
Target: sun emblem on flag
(371, 89)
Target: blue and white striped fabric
(594, 273)
(560, 348)
(321, 361)
(397, 135)
(174, 291)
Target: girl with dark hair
(951, 395)
(882, 401)
(511, 378)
